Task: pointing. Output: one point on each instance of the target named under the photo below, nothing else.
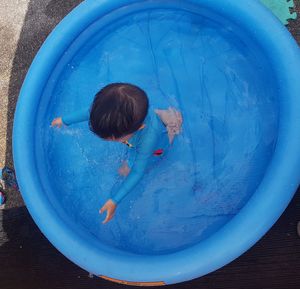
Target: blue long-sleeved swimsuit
(147, 143)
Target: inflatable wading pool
(231, 68)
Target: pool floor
(220, 81)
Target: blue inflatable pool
(231, 68)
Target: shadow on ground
(28, 260)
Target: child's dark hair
(118, 109)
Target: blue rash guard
(147, 143)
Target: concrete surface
(11, 23)
(24, 25)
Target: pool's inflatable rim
(238, 235)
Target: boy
(120, 113)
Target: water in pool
(222, 85)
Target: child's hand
(110, 207)
(57, 122)
(172, 119)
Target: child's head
(118, 110)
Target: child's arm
(137, 171)
(75, 117)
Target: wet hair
(118, 109)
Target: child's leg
(124, 170)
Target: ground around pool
(30, 261)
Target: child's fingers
(57, 122)
(109, 216)
(102, 210)
(179, 116)
(106, 219)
